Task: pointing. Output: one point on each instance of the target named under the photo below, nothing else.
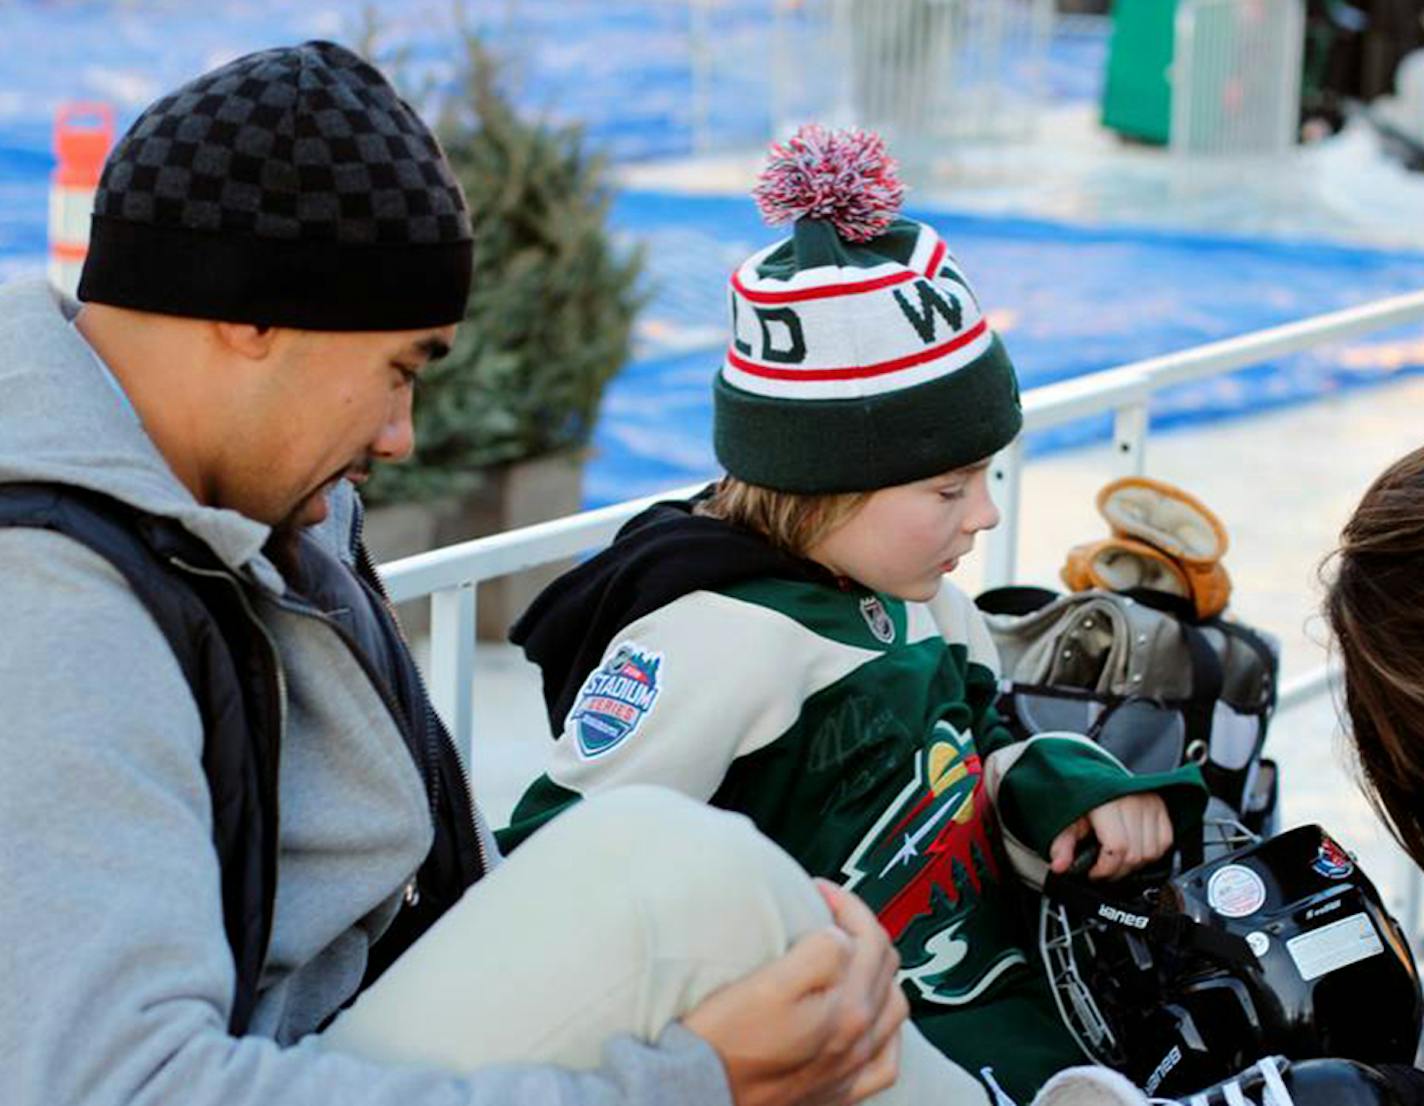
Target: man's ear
(247, 339)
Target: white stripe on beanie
(838, 332)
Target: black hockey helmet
(1281, 947)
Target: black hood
(659, 556)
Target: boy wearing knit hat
(788, 645)
(227, 807)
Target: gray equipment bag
(1142, 676)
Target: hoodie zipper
(431, 775)
(393, 707)
(277, 670)
(410, 892)
(437, 730)
(368, 574)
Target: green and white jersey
(853, 728)
(856, 730)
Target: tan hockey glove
(1178, 524)
(1175, 521)
(1120, 564)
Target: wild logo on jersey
(924, 869)
(615, 698)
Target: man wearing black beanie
(227, 808)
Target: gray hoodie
(115, 974)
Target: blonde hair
(790, 521)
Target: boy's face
(905, 538)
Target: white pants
(616, 918)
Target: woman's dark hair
(1375, 605)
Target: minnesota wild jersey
(855, 730)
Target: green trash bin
(1137, 95)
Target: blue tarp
(623, 68)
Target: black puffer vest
(206, 613)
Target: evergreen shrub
(550, 315)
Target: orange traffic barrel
(83, 134)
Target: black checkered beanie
(291, 187)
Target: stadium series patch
(615, 699)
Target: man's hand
(820, 1026)
(1131, 831)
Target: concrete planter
(518, 494)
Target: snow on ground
(1344, 189)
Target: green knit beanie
(860, 358)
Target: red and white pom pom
(843, 177)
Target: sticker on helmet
(1332, 861)
(1235, 891)
(1334, 946)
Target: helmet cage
(1178, 985)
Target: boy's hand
(1131, 831)
(818, 1027)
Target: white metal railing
(449, 575)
